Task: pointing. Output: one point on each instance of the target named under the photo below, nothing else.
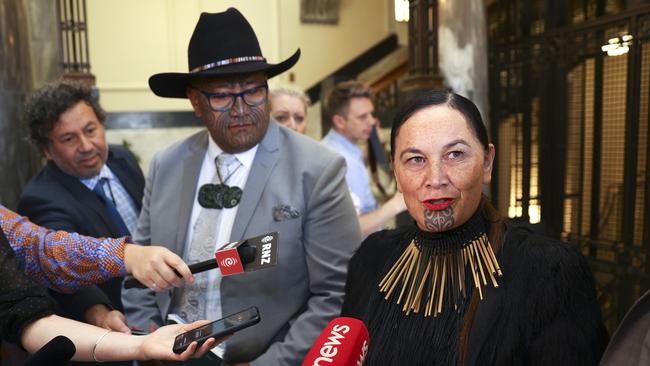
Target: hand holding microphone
(155, 267)
(343, 342)
(243, 256)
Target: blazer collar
(265, 160)
(488, 311)
(120, 167)
(81, 193)
(191, 163)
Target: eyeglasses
(222, 102)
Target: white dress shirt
(226, 219)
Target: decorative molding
(124, 86)
(74, 40)
(319, 11)
(140, 120)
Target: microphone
(246, 252)
(343, 342)
(56, 352)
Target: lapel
(266, 158)
(191, 169)
(82, 194)
(487, 313)
(629, 341)
(124, 173)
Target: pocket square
(284, 212)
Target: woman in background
(289, 108)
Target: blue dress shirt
(357, 174)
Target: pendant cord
(221, 195)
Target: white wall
(131, 40)
(326, 47)
(145, 143)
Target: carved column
(423, 46)
(27, 58)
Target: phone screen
(217, 328)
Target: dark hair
(44, 107)
(338, 99)
(441, 97)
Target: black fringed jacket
(545, 311)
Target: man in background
(87, 187)
(276, 179)
(351, 108)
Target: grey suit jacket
(630, 345)
(299, 296)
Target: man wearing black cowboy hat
(242, 177)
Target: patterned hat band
(228, 61)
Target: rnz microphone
(56, 352)
(344, 342)
(246, 253)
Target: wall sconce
(618, 45)
(402, 10)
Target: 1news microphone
(56, 352)
(246, 252)
(344, 342)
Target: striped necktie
(111, 209)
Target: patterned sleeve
(60, 260)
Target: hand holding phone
(218, 328)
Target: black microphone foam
(246, 252)
(56, 352)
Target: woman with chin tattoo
(461, 286)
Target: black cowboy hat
(222, 44)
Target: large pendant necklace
(220, 195)
(432, 269)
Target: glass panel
(613, 142)
(641, 173)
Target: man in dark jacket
(86, 187)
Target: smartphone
(218, 328)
